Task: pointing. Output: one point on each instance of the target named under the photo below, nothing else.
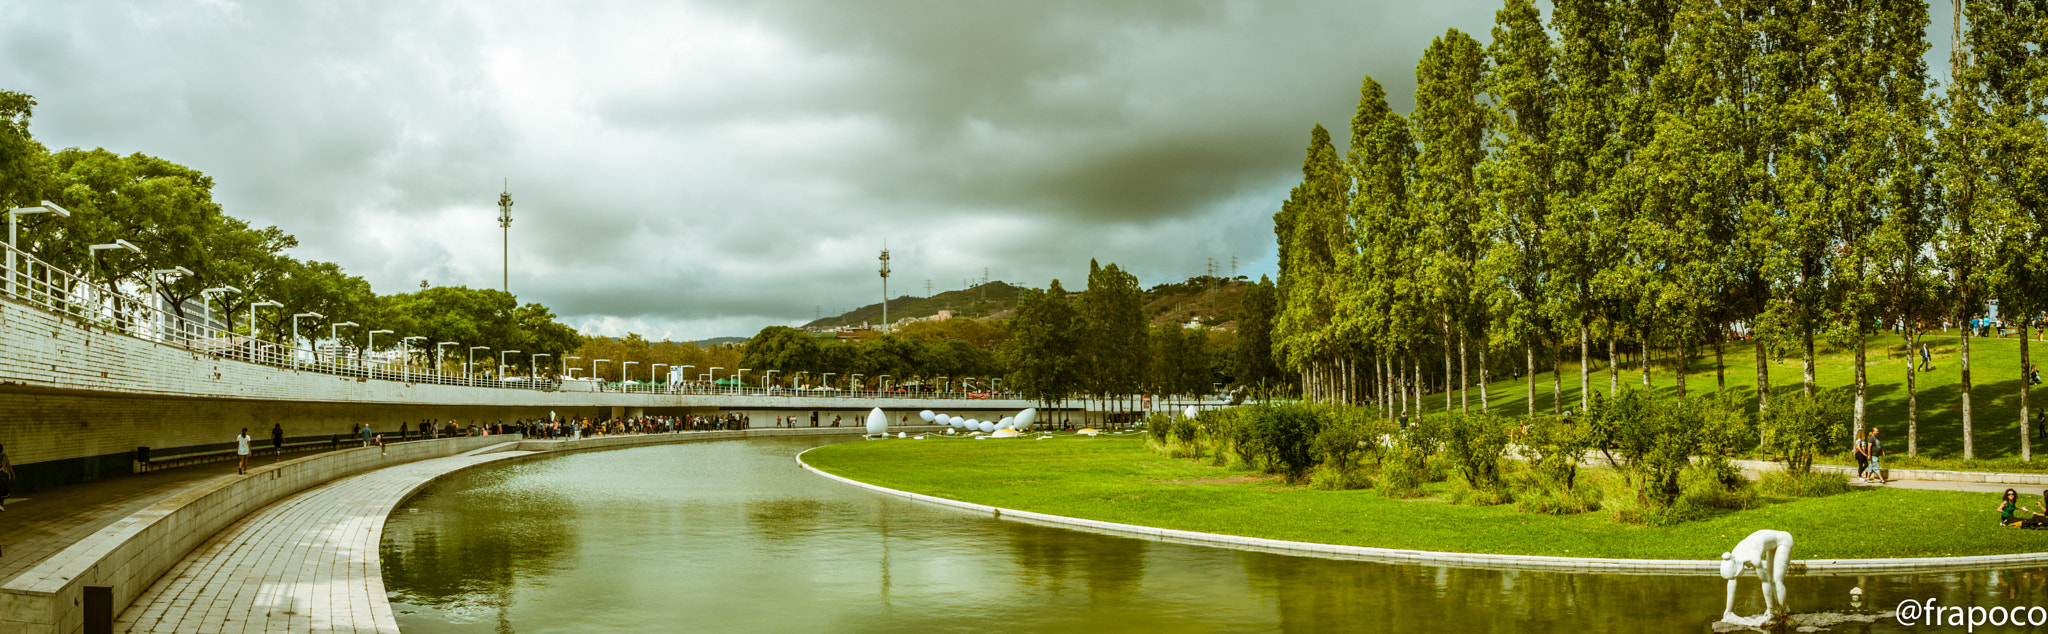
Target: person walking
(242, 451)
(1875, 449)
(6, 477)
(367, 434)
(1861, 451)
(277, 442)
(1926, 360)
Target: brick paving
(41, 523)
(308, 563)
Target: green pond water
(732, 536)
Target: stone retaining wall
(130, 554)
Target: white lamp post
(742, 380)
(768, 377)
(334, 333)
(533, 366)
(252, 325)
(371, 347)
(502, 364)
(469, 374)
(206, 301)
(625, 373)
(295, 333)
(714, 377)
(653, 374)
(593, 372)
(13, 241)
(566, 360)
(405, 357)
(441, 354)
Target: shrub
(1475, 443)
(1556, 445)
(1281, 436)
(1660, 437)
(1798, 428)
(1347, 437)
(1811, 484)
(1405, 466)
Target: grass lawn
(1994, 373)
(1117, 479)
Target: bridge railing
(71, 295)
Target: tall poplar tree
(1451, 126)
(1517, 175)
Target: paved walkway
(308, 563)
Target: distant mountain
(719, 341)
(991, 299)
(1214, 300)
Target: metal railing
(67, 294)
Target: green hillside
(1994, 373)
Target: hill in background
(1215, 300)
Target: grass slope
(1994, 373)
(1117, 479)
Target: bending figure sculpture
(1768, 553)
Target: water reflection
(732, 536)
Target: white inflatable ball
(1007, 423)
(1026, 417)
(949, 431)
(926, 415)
(902, 435)
(988, 426)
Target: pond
(734, 536)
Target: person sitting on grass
(2010, 505)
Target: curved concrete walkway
(306, 564)
(1829, 567)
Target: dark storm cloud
(705, 168)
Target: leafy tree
(1518, 178)
(1113, 345)
(1450, 124)
(1044, 352)
(783, 349)
(1254, 351)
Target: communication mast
(505, 222)
(885, 286)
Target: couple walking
(1868, 452)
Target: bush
(1660, 437)
(1475, 443)
(1281, 436)
(1811, 484)
(1556, 445)
(1798, 428)
(1405, 466)
(1347, 437)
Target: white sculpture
(1190, 413)
(1768, 553)
(1006, 423)
(1025, 417)
(987, 426)
(878, 423)
(927, 415)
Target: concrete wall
(131, 554)
(75, 400)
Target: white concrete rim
(1682, 567)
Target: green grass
(1995, 393)
(1117, 479)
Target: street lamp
(467, 373)
(118, 244)
(686, 371)
(252, 325)
(157, 277)
(942, 384)
(334, 334)
(626, 373)
(405, 356)
(885, 383)
(206, 301)
(652, 374)
(742, 380)
(441, 354)
(826, 379)
(295, 333)
(533, 365)
(593, 371)
(566, 360)
(502, 364)
(768, 377)
(572, 372)
(714, 376)
(371, 347)
(13, 241)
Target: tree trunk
(1645, 345)
(1530, 350)
(1763, 373)
(1806, 340)
(1464, 381)
(1447, 364)
(1613, 368)
(1963, 366)
(1680, 355)
(1912, 395)
(1482, 378)
(2026, 385)
(1557, 380)
(1862, 385)
(1585, 365)
(1418, 387)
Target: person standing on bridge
(242, 452)
(277, 442)
(367, 434)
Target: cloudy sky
(691, 169)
